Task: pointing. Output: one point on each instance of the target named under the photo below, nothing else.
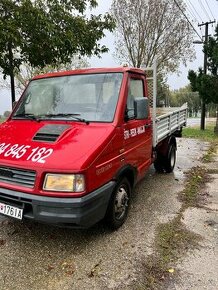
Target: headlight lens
(64, 182)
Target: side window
(136, 90)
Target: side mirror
(141, 108)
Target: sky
(198, 11)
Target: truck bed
(168, 120)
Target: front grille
(17, 176)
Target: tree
(48, 32)
(26, 72)
(211, 49)
(7, 114)
(162, 92)
(149, 28)
(186, 95)
(207, 84)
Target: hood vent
(50, 133)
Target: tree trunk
(12, 89)
(11, 58)
(203, 111)
(216, 127)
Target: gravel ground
(198, 270)
(35, 256)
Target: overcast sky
(197, 11)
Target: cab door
(137, 133)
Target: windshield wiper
(64, 115)
(26, 116)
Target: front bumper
(82, 212)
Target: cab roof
(91, 71)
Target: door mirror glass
(141, 108)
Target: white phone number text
(37, 154)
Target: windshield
(90, 97)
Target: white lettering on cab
(37, 154)
(134, 132)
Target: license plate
(11, 211)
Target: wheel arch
(129, 172)
(162, 147)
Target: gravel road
(35, 256)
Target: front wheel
(119, 204)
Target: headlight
(64, 182)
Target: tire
(119, 204)
(158, 164)
(170, 159)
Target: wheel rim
(172, 158)
(121, 202)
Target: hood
(53, 145)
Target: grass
(196, 179)
(208, 156)
(172, 241)
(205, 135)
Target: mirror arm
(126, 117)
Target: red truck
(77, 142)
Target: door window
(136, 90)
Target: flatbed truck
(77, 142)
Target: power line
(191, 13)
(203, 8)
(177, 4)
(193, 7)
(194, 12)
(213, 27)
(209, 9)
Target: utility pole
(203, 106)
(11, 57)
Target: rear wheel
(158, 164)
(170, 159)
(166, 163)
(119, 204)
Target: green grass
(172, 241)
(211, 152)
(205, 135)
(196, 179)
